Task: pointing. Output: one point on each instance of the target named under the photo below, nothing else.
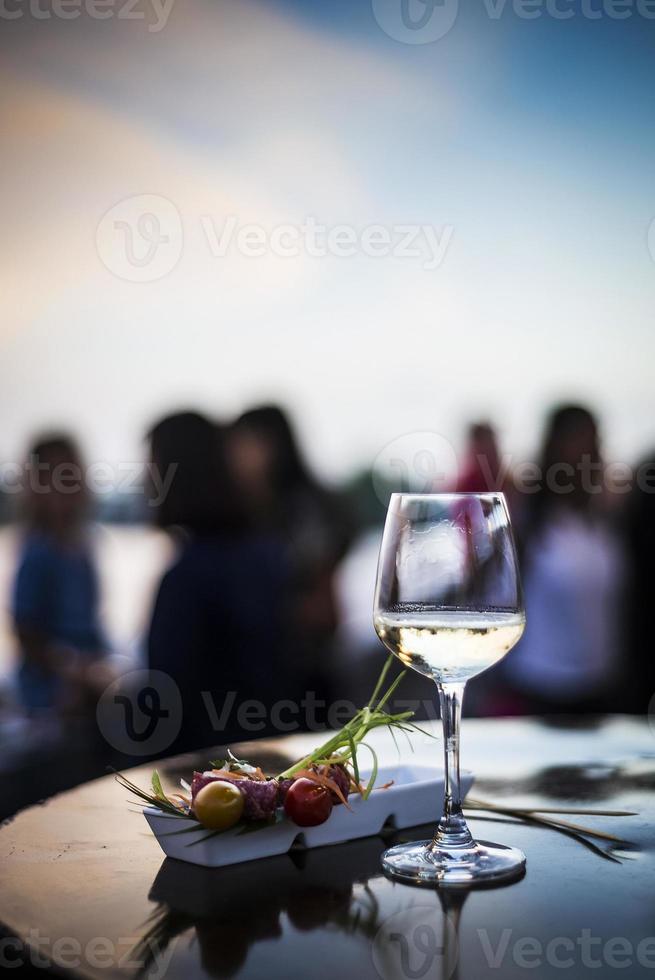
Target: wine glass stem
(452, 830)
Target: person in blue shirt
(56, 592)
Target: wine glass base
(422, 863)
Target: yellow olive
(219, 805)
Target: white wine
(448, 645)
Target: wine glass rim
(452, 495)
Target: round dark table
(86, 889)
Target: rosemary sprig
(156, 799)
(532, 815)
(479, 804)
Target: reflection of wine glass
(448, 604)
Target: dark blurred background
(263, 264)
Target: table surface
(86, 887)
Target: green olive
(219, 805)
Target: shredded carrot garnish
(324, 781)
(184, 800)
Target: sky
(165, 169)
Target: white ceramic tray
(415, 798)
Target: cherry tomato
(307, 803)
(219, 805)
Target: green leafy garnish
(157, 787)
(342, 748)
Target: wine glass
(448, 604)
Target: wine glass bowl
(448, 604)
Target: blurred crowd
(269, 591)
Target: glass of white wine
(448, 604)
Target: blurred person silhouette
(218, 627)
(573, 573)
(56, 592)
(640, 540)
(483, 471)
(481, 468)
(283, 496)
